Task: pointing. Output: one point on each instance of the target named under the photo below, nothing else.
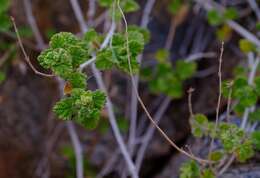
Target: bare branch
(32, 23)
(77, 147)
(27, 59)
(143, 105)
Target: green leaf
(105, 3)
(63, 40)
(143, 31)
(255, 116)
(230, 13)
(82, 106)
(214, 17)
(5, 22)
(226, 87)
(185, 70)
(123, 124)
(2, 77)
(246, 46)
(207, 173)
(255, 136)
(244, 92)
(190, 170)
(162, 55)
(245, 151)
(257, 85)
(77, 79)
(64, 109)
(224, 32)
(174, 6)
(79, 55)
(199, 125)
(246, 95)
(59, 60)
(105, 60)
(5, 4)
(257, 26)
(129, 6)
(230, 136)
(216, 155)
(136, 42)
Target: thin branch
(113, 123)
(190, 91)
(101, 85)
(27, 59)
(32, 23)
(229, 101)
(77, 147)
(255, 8)
(219, 94)
(91, 11)
(196, 56)
(79, 15)
(149, 133)
(146, 13)
(143, 105)
(134, 102)
(208, 5)
(246, 112)
(230, 161)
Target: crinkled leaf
(185, 69)
(190, 170)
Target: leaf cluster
(191, 169)
(5, 22)
(216, 18)
(167, 79)
(82, 106)
(116, 54)
(63, 57)
(232, 138)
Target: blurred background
(34, 143)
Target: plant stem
(77, 147)
(101, 85)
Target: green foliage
(143, 31)
(255, 116)
(245, 150)
(190, 170)
(116, 55)
(216, 155)
(246, 46)
(162, 55)
(207, 173)
(2, 77)
(230, 13)
(174, 6)
(129, 6)
(257, 26)
(63, 57)
(168, 80)
(255, 136)
(224, 33)
(199, 125)
(81, 106)
(214, 17)
(185, 70)
(65, 54)
(123, 124)
(5, 22)
(105, 3)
